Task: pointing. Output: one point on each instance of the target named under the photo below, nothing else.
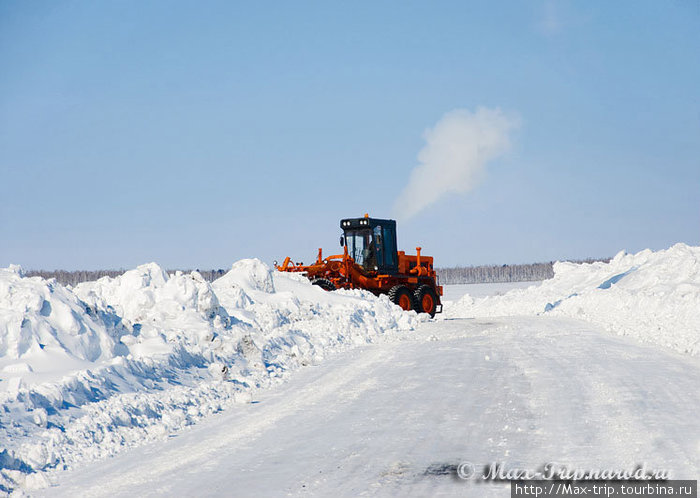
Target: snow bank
(110, 364)
(651, 296)
(36, 314)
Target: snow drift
(110, 364)
(651, 296)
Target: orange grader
(371, 261)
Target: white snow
(91, 371)
(111, 364)
(395, 418)
(651, 296)
(454, 292)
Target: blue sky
(194, 134)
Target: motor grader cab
(371, 243)
(371, 261)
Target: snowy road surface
(389, 418)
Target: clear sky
(194, 134)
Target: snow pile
(163, 311)
(652, 296)
(110, 364)
(36, 314)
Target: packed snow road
(395, 418)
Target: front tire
(324, 284)
(401, 295)
(426, 300)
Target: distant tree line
(494, 273)
(454, 275)
(501, 273)
(75, 277)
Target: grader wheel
(324, 284)
(401, 295)
(426, 300)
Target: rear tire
(426, 300)
(401, 296)
(324, 284)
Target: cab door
(385, 241)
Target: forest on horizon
(447, 276)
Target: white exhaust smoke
(456, 151)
